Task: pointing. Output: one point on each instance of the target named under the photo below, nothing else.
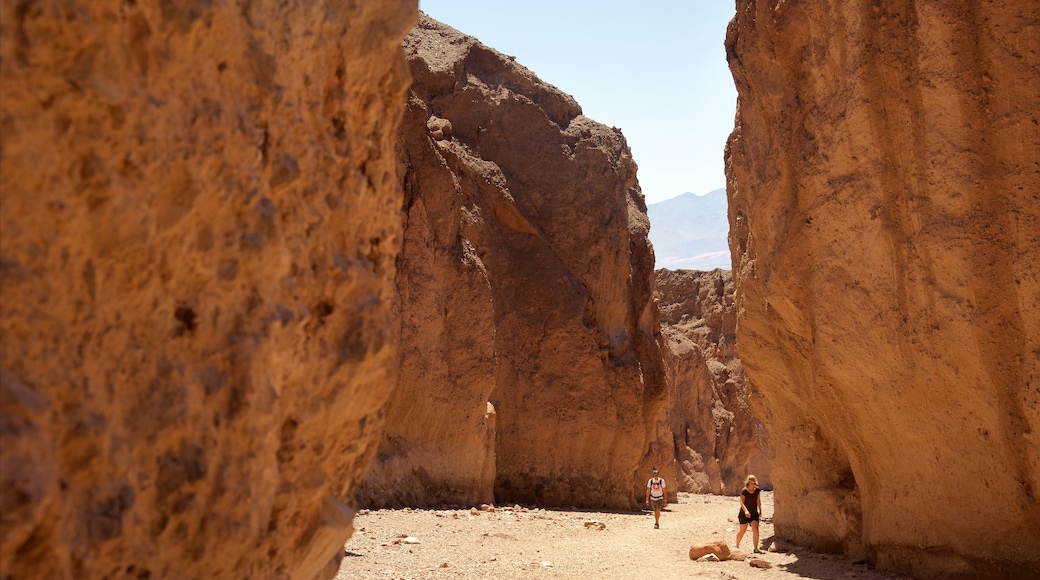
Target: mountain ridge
(690, 231)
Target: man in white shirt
(656, 497)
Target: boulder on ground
(719, 548)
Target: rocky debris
(199, 225)
(738, 555)
(718, 438)
(885, 228)
(525, 306)
(717, 548)
(594, 525)
(759, 563)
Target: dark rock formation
(718, 440)
(199, 217)
(525, 281)
(884, 191)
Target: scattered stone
(474, 512)
(547, 564)
(487, 507)
(444, 564)
(738, 555)
(411, 540)
(595, 525)
(718, 547)
(757, 563)
(772, 547)
(362, 512)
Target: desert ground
(530, 542)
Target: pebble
(411, 540)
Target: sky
(656, 69)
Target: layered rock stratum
(199, 217)
(530, 360)
(884, 190)
(717, 438)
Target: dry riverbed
(529, 542)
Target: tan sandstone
(530, 361)
(719, 441)
(199, 217)
(718, 548)
(884, 188)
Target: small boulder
(738, 555)
(757, 563)
(719, 548)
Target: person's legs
(740, 533)
(754, 530)
(657, 514)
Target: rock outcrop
(199, 217)
(717, 438)
(525, 280)
(885, 224)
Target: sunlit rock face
(525, 283)
(718, 440)
(885, 211)
(199, 220)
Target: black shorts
(747, 519)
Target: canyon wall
(884, 188)
(718, 440)
(530, 363)
(199, 220)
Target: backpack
(656, 487)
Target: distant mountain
(689, 232)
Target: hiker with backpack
(656, 497)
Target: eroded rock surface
(199, 218)
(717, 438)
(526, 234)
(885, 225)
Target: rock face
(525, 280)
(885, 223)
(717, 438)
(199, 218)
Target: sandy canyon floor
(528, 542)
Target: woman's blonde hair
(749, 479)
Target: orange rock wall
(527, 233)
(718, 441)
(199, 217)
(884, 194)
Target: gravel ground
(529, 542)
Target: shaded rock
(197, 240)
(757, 563)
(525, 284)
(885, 229)
(718, 548)
(718, 438)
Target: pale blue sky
(655, 68)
